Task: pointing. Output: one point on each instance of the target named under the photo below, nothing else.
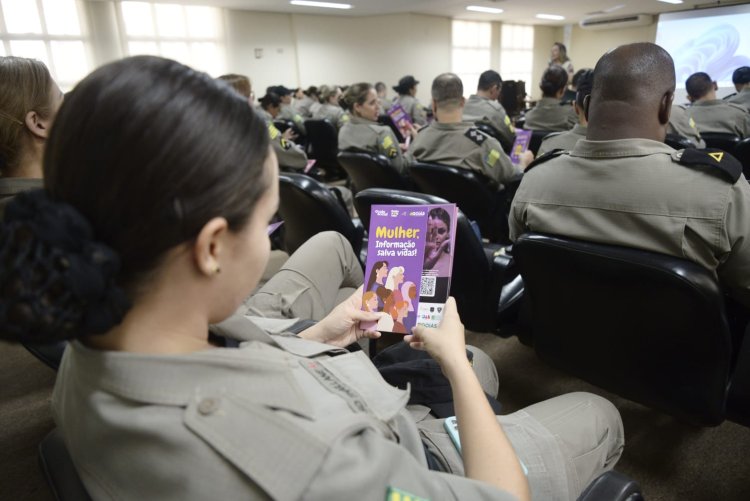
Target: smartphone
(451, 426)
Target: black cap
(281, 91)
(741, 75)
(405, 84)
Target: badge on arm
(394, 494)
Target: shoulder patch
(273, 131)
(476, 135)
(547, 156)
(713, 160)
(394, 494)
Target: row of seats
(651, 328)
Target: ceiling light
(671, 1)
(325, 5)
(486, 10)
(551, 17)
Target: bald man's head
(633, 89)
(447, 91)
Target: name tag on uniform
(335, 385)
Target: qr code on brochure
(427, 287)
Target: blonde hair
(390, 281)
(240, 83)
(366, 297)
(25, 85)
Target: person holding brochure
(363, 132)
(407, 92)
(451, 141)
(144, 279)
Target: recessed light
(551, 17)
(486, 10)
(676, 2)
(325, 5)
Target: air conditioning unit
(612, 23)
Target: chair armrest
(612, 486)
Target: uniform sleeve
(388, 147)
(343, 119)
(288, 153)
(496, 164)
(734, 271)
(377, 469)
(419, 115)
(299, 122)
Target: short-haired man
(622, 185)
(450, 141)
(567, 140)
(711, 114)
(484, 108)
(741, 81)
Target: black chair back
(308, 207)
(678, 142)
(469, 190)
(475, 284)
(367, 170)
(536, 139)
(646, 326)
(386, 120)
(720, 140)
(742, 153)
(323, 146)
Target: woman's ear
(209, 245)
(37, 125)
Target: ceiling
(515, 11)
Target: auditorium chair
(742, 153)
(50, 354)
(648, 327)
(720, 140)
(323, 146)
(386, 120)
(308, 207)
(472, 193)
(490, 131)
(367, 170)
(536, 139)
(678, 142)
(486, 287)
(283, 125)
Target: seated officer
(741, 81)
(711, 114)
(484, 107)
(549, 113)
(449, 141)
(622, 185)
(567, 140)
(288, 112)
(681, 124)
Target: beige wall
(587, 46)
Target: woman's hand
(341, 326)
(446, 344)
(289, 135)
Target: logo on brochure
(417, 213)
(394, 213)
(382, 213)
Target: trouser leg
(321, 273)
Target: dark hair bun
(56, 282)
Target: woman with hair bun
(363, 132)
(550, 113)
(29, 99)
(149, 234)
(330, 107)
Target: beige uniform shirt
(360, 134)
(289, 113)
(303, 106)
(335, 114)
(289, 154)
(682, 124)
(632, 192)
(482, 110)
(549, 114)
(742, 98)
(562, 140)
(414, 108)
(719, 116)
(279, 418)
(463, 145)
(12, 186)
